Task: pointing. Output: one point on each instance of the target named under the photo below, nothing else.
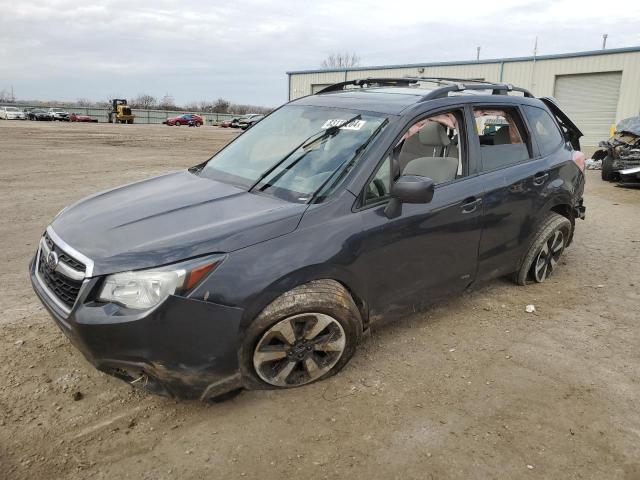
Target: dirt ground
(474, 387)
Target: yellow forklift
(120, 112)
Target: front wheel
(544, 253)
(178, 124)
(307, 334)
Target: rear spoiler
(571, 131)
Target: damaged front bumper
(183, 348)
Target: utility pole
(533, 64)
(604, 41)
(478, 53)
(13, 97)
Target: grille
(64, 288)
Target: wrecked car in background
(620, 154)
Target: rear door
(513, 176)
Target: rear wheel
(198, 124)
(307, 334)
(607, 168)
(544, 253)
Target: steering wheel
(380, 187)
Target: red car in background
(185, 119)
(78, 117)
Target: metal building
(596, 88)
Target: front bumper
(183, 348)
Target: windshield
(293, 135)
(12, 109)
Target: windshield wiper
(305, 143)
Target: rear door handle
(540, 177)
(471, 204)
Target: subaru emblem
(52, 261)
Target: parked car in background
(185, 119)
(78, 117)
(264, 266)
(245, 124)
(12, 113)
(39, 114)
(59, 114)
(229, 123)
(237, 122)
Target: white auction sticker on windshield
(353, 125)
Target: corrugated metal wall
(539, 76)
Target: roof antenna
(604, 41)
(478, 53)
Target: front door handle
(540, 177)
(470, 205)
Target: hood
(171, 218)
(629, 125)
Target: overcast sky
(240, 50)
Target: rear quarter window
(544, 129)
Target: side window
(502, 136)
(545, 130)
(379, 188)
(432, 148)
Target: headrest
(433, 134)
(502, 136)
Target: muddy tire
(307, 334)
(607, 168)
(545, 250)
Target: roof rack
(366, 82)
(446, 85)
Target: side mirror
(409, 189)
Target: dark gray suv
(263, 266)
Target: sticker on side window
(354, 125)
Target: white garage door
(591, 101)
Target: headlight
(147, 288)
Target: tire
(537, 265)
(198, 124)
(177, 124)
(607, 168)
(324, 321)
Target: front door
(430, 249)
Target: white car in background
(59, 114)
(12, 113)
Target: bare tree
(221, 106)
(167, 103)
(83, 102)
(145, 101)
(6, 96)
(341, 60)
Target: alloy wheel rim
(299, 349)
(548, 256)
